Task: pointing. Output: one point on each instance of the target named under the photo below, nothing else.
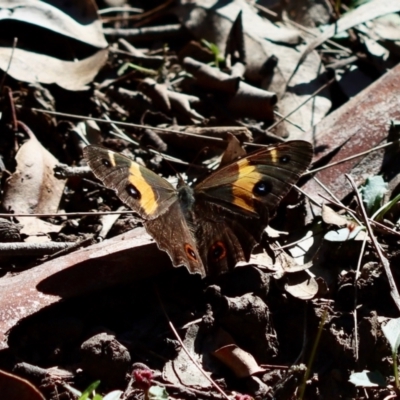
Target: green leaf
(157, 393)
(380, 213)
(392, 333)
(146, 71)
(357, 3)
(218, 57)
(367, 379)
(372, 193)
(88, 391)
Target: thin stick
(336, 199)
(301, 104)
(382, 146)
(393, 289)
(72, 214)
(187, 351)
(9, 64)
(129, 124)
(375, 223)
(312, 355)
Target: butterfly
(209, 227)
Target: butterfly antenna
(181, 181)
(190, 165)
(193, 164)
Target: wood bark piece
(359, 125)
(133, 255)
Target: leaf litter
(231, 70)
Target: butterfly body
(213, 225)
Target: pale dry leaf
(233, 152)
(37, 229)
(33, 188)
(306, 243)
(241, 363)
(76, 19)
(301, 285)
(387, 27)
(182, 370)
(34, 67)
(332, 217)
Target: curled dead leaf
(13, 387)
(301, 285)
(33, 188)
(32, 67)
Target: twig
(382, 146)
(336, 199)
(356, 294)
(120, 9)
(20, 249)
(375, 223)
(301, 104)
(393, 289)
(312, 355)
(75, 246)
(145, 33)
(9, 64)
(187, 351)
(72, 214)
(121, 123)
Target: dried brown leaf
(301, 285)
(76, 19)
(332, 217)
(33, 188)
(182, 370)
(239, 361)
(33, 67)
(13, 387)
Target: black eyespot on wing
(262, 188)
(133, 192)
(284, 159)
(217, 251)
(190, 252)
(106, 163)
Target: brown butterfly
(213, 225)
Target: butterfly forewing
(141, 189)
(259, 180)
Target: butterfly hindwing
(175, 235)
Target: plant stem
(312, 356)
(395, 370)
